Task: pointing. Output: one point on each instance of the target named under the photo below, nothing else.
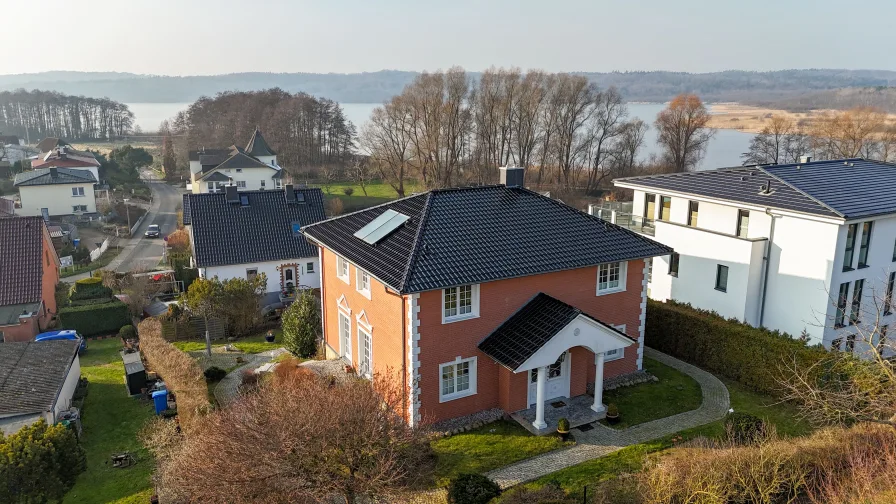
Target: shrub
(181, 373)
(95, 319)
(90, 288)
(127, 332)
(746, 354)
(348, 191)
(548, 494)
(472, 489)
(744, 428)
(612, 410)
(301, 325)
(39, 463)
(563, 425)
(214, 374)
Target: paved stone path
(228, 388)
(602, 440)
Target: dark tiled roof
(44, 176)
(854, 188)
(186, 210)
(527, 330)
(229, 233)
(257, 145)
(32, 374)
(849, 188)
(21, 267)
(215, 177)
(50, 143)
(212, 160)
(239, 160)
(196, 154)
(472, 235)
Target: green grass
(632, 458)
(250, 344)
(488, 447)
(674, 393)
(111, 421)
(108, 256)
(377, 193)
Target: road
(141, 253)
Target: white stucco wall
(57, 199)
(252, 176)
(269, 268)
(64, 401)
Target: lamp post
(127, 209)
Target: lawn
(488, 447)
(111, 421)
(674, 393)
(250, 344)
(632, 458)
(377, 193)
(108, 256)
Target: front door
(289, 278)
(557, 384)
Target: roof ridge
(804, 193)
(424, 214)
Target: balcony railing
(620, 214)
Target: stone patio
(577, 410)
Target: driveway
(139, 253)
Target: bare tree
(302, 438)
(387, 137)
(361, 172)
(856, 382)
(858, 132)
(573, 100)
(624, 156)
(683, 133)
(604, 128)
(769, 146)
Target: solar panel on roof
(380, 227)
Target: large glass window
(693, 210)
(674, 259)
(459, 302)
(345, 336)
(458, 379)
(365, 348)
(842, 299)
(611, 277)
(666, 210)
(743, 223)
(850, 246)
(722, 278)
(855, 315)
(863, 247)
(888, 298)
(649, 207)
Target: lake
(724, 149)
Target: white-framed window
(251, 273)
(362, 282)
(241, 183)
(278, 184)
(611, 277)
(77, 191)
(239, 170)
(618, 353)
(458, 379)
(365, 351)
(79, 208)
(262, 184)
(345, 336)
(342, 269)
(309, 268)
(460, 303)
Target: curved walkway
(229, 387)
(602, 440)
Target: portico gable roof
(543, 329)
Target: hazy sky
(189, 37)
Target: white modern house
(251, 169)
(242, 234)
(807, 248)
(56, 191)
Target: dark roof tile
(45, 176)
(258, 146)
(21, 267)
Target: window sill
(848, 269)
(344, 279)
(673, 275)
(862, 266)
(722, 290)
(459, 318)
(609, 291)
(365, 293)
(458, 395)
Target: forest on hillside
(37, 114)
(375, 87)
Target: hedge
(95, 319)
(749, 355)
(90, 288)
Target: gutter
(766, 265)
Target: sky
(203, 37)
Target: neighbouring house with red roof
(29, 272)
(64, 156)
(486, 298)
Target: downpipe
(766, 265)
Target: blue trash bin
(76, 242)
(160, 400)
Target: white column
(599, 383)
(542, 378)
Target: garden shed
(134, 372)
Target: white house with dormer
(251, 169)
(807, 248)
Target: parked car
(66, 334)
(153, 231)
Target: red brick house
(486, 297)
(29, 272)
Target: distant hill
(373, 87)
(883, 98)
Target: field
(377, 193)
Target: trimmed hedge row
(749, 355)
(89, 288)
(95, 319)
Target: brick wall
(441, 343)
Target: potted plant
(563, 429)
(612, 414)
(269, 337)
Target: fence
(96, 253)
(620, 213)
(192, 328)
